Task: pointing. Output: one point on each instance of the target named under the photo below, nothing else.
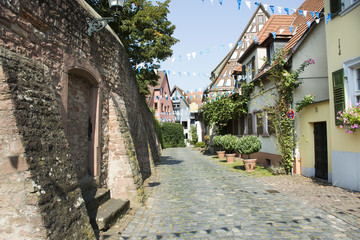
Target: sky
(206, 28)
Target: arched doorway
(82, 123)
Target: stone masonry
(70, 113)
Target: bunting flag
(255, 39)
(291, 29)
(239, 4)
(312, 14)
(305, 13)
(308, 23)
(257, 4)
(272, 8)
(239, 43)
(220, 1)
(248, 3)
(279, 9)
(317, 14)
(287, 11)
(274, 34)
(301, 12)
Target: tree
(146, 34)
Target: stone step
(109, 212)
(94, 200)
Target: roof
(300, 22)
(182, 93)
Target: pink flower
(341, 126)
(312, 61)
(308, 61)
(350, 132)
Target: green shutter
(335, 6)
(339, 98)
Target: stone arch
(81, 110)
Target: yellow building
(343, 55)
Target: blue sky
(208, 28)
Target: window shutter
(339, 98)
(335, 6)
(250, 125)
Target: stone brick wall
(63, 98)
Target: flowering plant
(207, 137)
(350, 118)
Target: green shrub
(194, 136)
(248, 145)
(158, 131)
(217, 140)
(200, 145)
(173, 135)
(229, 143)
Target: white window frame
(352, 91)
(348, 5)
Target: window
(228, 83)
(352, 81)
(259, 123)
(156, 106)
(338, 88)
(221, 83)
(261, 19)
(184, 124)
(249, 124)
(335, 6)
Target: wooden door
(321, 154)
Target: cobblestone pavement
(193, 197)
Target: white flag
(266, 6)
(279, 9)
(194, 55)
(189, 56)
(173, 59)
(281, 31)
(230, 45)
(305, 13)
(248, 3)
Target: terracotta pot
(221, 154)
(230, 158)
(249, 164)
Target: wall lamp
(99, 23)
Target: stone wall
(69, 110)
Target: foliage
(248, 145)
(200, 145)
(146, 33)
(217, 140)
(207, 137)
(229, 143)
(285, 83)
(277, 170)
(350, 118)
(306, 101)
(194, 136)
(173, 135)
(226, 108)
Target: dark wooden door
(321, 154)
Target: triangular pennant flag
(308, 23)
(305, 13)
(287, 11)
(257, 4)
(317, 14)
(212, 2)
(301, 12)
(255, 39)
(281, 30)
(239, 4)
(312, 14)
(248, 3)
(139, 70)
(317, 20)
(169, 72)
(294, 10)
(266, 6)
(279, 9)
(274, 34)
(173, 59)
(180, 58)
(239, 43)
(189, 56)
(230, 45)
(272, 8)
(291, 29)
(164, 72)
(194, 54)
(220, 1)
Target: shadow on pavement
(168, 161)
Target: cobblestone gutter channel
(196, 198)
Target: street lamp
(99, 23)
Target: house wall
(318, 112)
(344, 148)
(43, 45)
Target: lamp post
(99, 23)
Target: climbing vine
(285, 83)
(220, 111)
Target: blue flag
(312, 14)
(291, 29)
(317, 14)
(272, 8)
(308, 23)
(274, 34)
(239, 4)
(220, 1)
(287, 11)
(255, 39)
(301, 12)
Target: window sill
(349, 9)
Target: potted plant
(350, 118)
(248, 145)
(217, 140)
(230, 143)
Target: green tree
(146, 33)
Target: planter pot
(249, 164)
(221, 154)
(230, 158)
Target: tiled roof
(300, 21)
(275, 23)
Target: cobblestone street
(193, 197)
